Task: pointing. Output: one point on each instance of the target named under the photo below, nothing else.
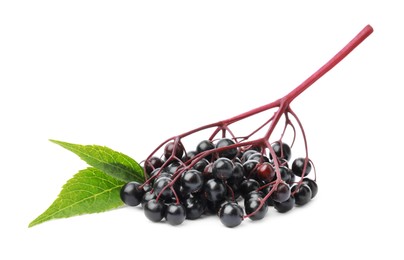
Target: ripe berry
(229, 153)
(248, 186)
(302, 195)
(298, 165)
(191, 181)
(201, 165)
(285, 206)
(194, 207)
(172, 167)
(237, 175)
(250, 168)
(171, 148)
(153, 163)
(188, 156)
(203, 146)
(131, 193)
(282, 193)
(148, 196)
(313, 186)
(254, 195)
(154, 210)
(222, 168)
(258, 157)
(175, 214)
(265, 172)
(282, 151)
(160, 184)
(286, 175)
(231, 214)
(252, 205)
(247, 154)
(214, 190)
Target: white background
(129, 74)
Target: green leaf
(115, 164)
(89, 191)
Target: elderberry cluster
(233, 183)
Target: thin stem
(358, 39)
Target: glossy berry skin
(229, 153)
(131, 193)
(252, 205)
(312, 185)
(297, 167)
(265, 172)
(201, 165)
(152, 164)
(148, 196)
(282, 193)
(194, 207)
(191, 181)
(222, 168)
(188, 156)
(231, 214)
(282, 150)
(203, 146)
(160, 184)
(302, 195)
(171, 148)
(214, 190)
(247, 154)
(175, 214)
(172, 167)
(250, 168)
(285, 206)
(258, 157)
(248, 186)
(154, 210)
(286, 175)
(254, 195)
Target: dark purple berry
(201, 165)
(154, 210)
(229, 153)
(282, 192)
(231, 214)
(194, 207)
(175, 214)
(148, 196)
(214, 190)
(282, 150)
(171, 148)
(131, 193)
(152, 164)
(222, 168)
(191, 181)
(285, 206)
(248, 186)
(162, 184)
(203, 146)
(302, 195)
(313, 186)
(252, 205)
(298, 165)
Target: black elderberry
(154, 210)
(131, 193)
(231, 214)
(252, 205)
(285, 206)
(175, 214)
(214, 190)
(229, 153)
(298, 165)
(282, 150)
(302, 195)
(222, 168)
(191, 181)
(203, 146)
(313, 186)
